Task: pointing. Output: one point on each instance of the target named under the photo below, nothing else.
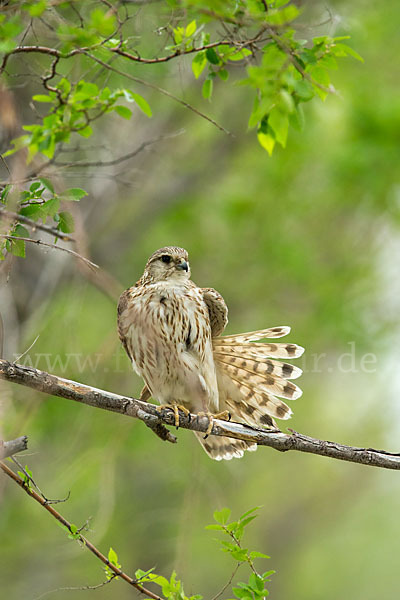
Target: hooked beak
(183, 266)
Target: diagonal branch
(90, 264)
(85, 394)
(117, 572)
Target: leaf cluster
(40, 203)
(254, 588)
(261, 38)
(73, 108)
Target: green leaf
(216, 527)
(51, 207)
(73, 532)
(37, 8)
(64, 85)
(297, 119)
(4, 193)
(73, 194)
(267, 141)
(17, 248)
(249, 512)
(212, 56)
(223, 74)
(268, 574)
(113, 558)
(238, 54)
(198, 63)
(344, 50)
(84, 91)
(142, 575)
(207, 88)
(42, 98)
(20, 231)
(239, 554)
(33, 211)
(35, 186)
(18, 143)
(86, 131)
(66, 222)
(246, 521)
(304, 90)
(190, 29)
(222, 516)
(47, 184)
(255, 554)
(47, 146)
(178, 35)
(123, 111)
(142, 104)
(283, 16)
(279, 123)
(256, 582)
(103, 22)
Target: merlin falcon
(171, 330)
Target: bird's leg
(145, 394)
(175, 408)
(224, 416)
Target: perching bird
(171, 330)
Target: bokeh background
(310, 238)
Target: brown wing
(123, 324)
(217, 310)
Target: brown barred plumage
(171, 330)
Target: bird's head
(167, 263)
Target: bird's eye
(165, 258)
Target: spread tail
(250, 384)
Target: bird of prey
(171, 330)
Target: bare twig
(33, 482)
(75, 588)
(65, 388)
(40, 243)
(120, 159)
(27, 350)
(117, 571)
(13, 446)
(228, 583)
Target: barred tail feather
(260, 334)
(250, 381)
(223, 448)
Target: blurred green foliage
(308, 238)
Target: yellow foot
(224, 416)
(175, 408)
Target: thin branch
(75, 588)
(118, 572)
(34, 225)
(58, 54)
(228, 583)
(33, 482)
(91, 264)
(71, 390)
(27, 350)
(120, 159)
(161, 90)
(13, 446)
(178, 52)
